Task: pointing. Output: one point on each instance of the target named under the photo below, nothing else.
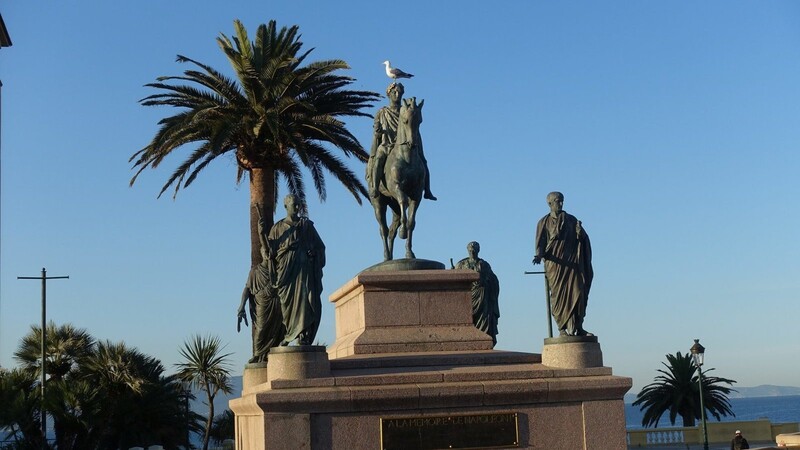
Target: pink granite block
(321, 399)
(346, 291)
(572, 355)
(345, 432)
(386, 398)
(343, 346)
(418, 279)
(510, 392)
(557, 427)
(250, 432)
(450, 395)
(349, 316)
(382, 309)
(605, 424)
(389, 379)
(585, 372)
(245, 406)
(411, 339)
(445, 308)
(587, 388)
(302, 383)
(452, 358)
(287, 431)
(505, 372)
(253, 377)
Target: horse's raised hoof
(402, 232)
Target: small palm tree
(676, 390)
(100, 394)
(223, 427)
(207, 369)
(277, 116)
(65, 348)
(19, 410)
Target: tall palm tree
(676, 390)
(277, 116)
(205, 368)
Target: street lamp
(698, 353)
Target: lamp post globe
(698, 353)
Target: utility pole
(42, 412)
(5, 41)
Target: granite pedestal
(383, 369)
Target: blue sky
(671, 128)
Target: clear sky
(672, 128)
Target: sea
(782, 409)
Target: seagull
(394, 73)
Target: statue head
(293, 205)
(556, 201)
(395, 92)
(473, 248)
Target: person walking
(739, 442)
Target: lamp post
(698, 353)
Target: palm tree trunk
(262, 192)
(210, 418)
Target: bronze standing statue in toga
(564, 246)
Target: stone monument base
(389, 311)
(369, 395)
(572, 352)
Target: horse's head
(410, 119)
(411, 111)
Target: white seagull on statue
(395, 73)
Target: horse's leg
(411, 223)
(402, 201)
(379, 206)
(393, 229)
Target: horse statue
(403, 181)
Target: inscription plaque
(451, 431)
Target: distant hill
(765, 390)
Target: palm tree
(224, 427)
(676, 390)
(205, 368)
(276, 116)
(19, 414)
(100, 395)
(136, 404)
(66, 348)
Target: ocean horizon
(778, 409)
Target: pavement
(711, 446)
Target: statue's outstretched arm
(241, 315)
